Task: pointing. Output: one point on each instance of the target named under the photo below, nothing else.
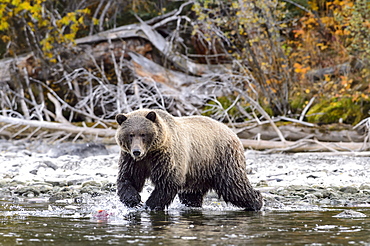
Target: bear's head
(137, 132)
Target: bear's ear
(120, 118)
(151, 116)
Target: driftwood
(153, 82)
(342, 153)
(14, 127)
(295, 132)
(146, 68)
(139, 38)
(129, 50)
(337, 70)
(305, 145)
(179, 60)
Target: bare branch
(306, 109)
(302, 145)
(58, 110)
(58, 127)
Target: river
(69, 199)
(24, 223)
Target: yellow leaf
(5, 38)
(25, 6)
(80, 20)
(4, 25)
(347, 32)
(96, 22)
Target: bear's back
(206, 136)
(201, 125)
(196, 132)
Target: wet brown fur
(187, 156)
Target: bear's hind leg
(239, 192)
(192, 198)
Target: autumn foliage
(298, 52)
(289, 55)
(333, 33)
(26, 24)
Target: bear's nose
(136, 153)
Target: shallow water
(37, 222)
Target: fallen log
(342, 153)
(27, 128)
(182, 62)
(304, 145)
(64, 127)
(138, 37)
(144, 67)
(337, 70)
(296, 132)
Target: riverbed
(65, 194)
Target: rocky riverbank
(69, 173)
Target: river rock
(74, 171)
(83, 150)
(350, 214)
(93, 191)
(364, 187)
(366, 192)
(349, 189)
(91, 183)
(26, 191)
(57, 182)
(262, 183)
(36, 200)
(311, 197)
(50, 164)
(109, 186)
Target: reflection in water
(45, 224)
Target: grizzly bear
(187, 156)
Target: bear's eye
(142, 135)
(131, 135)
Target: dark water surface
(25, 223)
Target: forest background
(241, 62)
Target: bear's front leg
(131, 179)
(128, 195)
(167, 179)
(161, 197)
